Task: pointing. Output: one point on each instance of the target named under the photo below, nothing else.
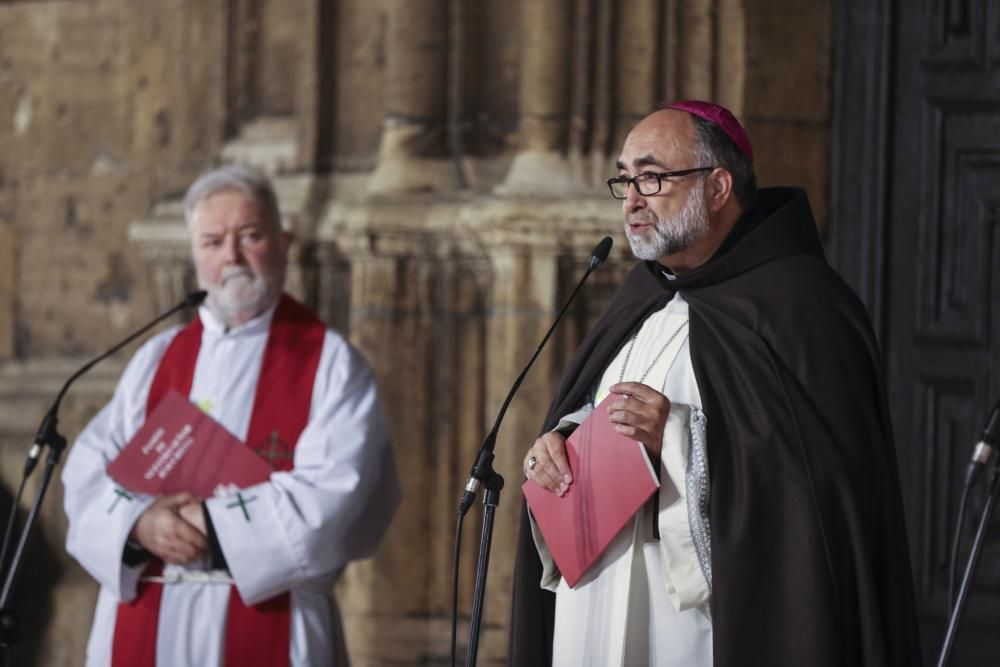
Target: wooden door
(915, 227)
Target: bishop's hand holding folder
(612, 479)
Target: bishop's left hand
(640, 413)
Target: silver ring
(532, 462)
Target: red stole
(258, 634)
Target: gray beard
(671, 235)
(240, 296)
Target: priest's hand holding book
(639, 413)
(170, 530)
(181, 455)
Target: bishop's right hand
(546, 463)
(162, 531)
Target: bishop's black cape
(809, 551)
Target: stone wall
(441, 164)
(105, 108)
(787, 103)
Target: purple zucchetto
(723, 118)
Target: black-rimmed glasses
(647, 183)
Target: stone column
(415, 312)
(540, 166)
(602, 143)
(704, 51)
(525, 278)
(788, 117)
(447, 301)
(383, 598)
(413, 155)
(333, 286)
(730, 64)
(535, 251)
(696, 50)
(7, 276)
(243, 56)
(637, 54)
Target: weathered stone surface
(545, 80)
(795, 154)
(77, 294)
(7, 273)
(787, 100)
(789, 59)
(414, 153)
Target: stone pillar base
(540, 172)
(403, 166)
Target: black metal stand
(970, 568)
(8, 637)
(9, 620)
(48, 436)
(483, 474)
(491, 500)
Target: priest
(749, 372)
(245, 577)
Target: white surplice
(304, 525)
(646, 601)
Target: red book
(180, 448)
(612, 479)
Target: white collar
(215, 326)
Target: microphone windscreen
(195, 298)
(601, 251)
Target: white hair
(242, 178)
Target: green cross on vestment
(274, 450)
(119, 494)
(241, 502)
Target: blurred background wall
(441, 164)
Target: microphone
(482, 469)
(983, 453)
(195, 298)
(600, 253)
(988, 442)
(46, 434)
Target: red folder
(180, 448)
(612, 479)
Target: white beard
(240, 295)
(671, 235)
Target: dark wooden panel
(943, 408)
(856, 236)
(960, 181)
(956, 32)
(920, 241)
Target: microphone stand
(47, 435)
(970, 568)
(981, 457)
(484, 474)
